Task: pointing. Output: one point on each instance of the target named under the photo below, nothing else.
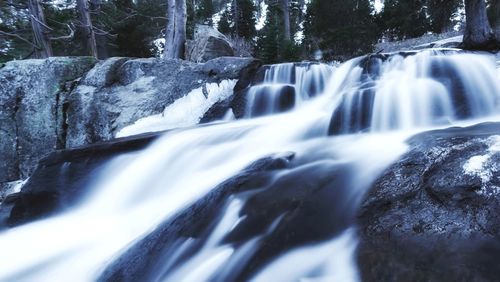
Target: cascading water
(285, 86)
(292, 220)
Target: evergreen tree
(224, 25)
(205, 12)
(340, 28)
(494, 12)
(270, 38)
(441, 13)
(272, 44)
(244, 19)
(405, 19)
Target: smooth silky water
(354, 117)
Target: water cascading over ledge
(261, 199)
(426, 89)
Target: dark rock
(208, 44)
(32, 114)
(193, 222)
(61, 178)
(280, 195)
(251, 76)
(217, 111)
(434, 215)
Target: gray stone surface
(437, 208)
(32, 95)
(65, 102)
(136, 88)
(208, 44)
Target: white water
(419, 91)
(139, 191)
(286, 86)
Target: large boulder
(32, 98)
(59, 103)
(119, 92)
(435, 214)
(208, 44)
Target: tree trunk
(40, 30)
(100, 39)
(86, 27)
(175, 37)
(236, 16)
(285, 7)
(478, 33)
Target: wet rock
(434, 214)
(61, 178)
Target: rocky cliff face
(32, 98)
(435, 214)
(60, 103)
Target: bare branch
(17, 6)
(38, 21)
(20, 38)
(69, 36)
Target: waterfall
(286, 86)
(287, 222)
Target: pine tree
(244, 19)
(441, 13)
(225, 21)
(405, 18)
(205, 11)
(340, 28)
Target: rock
(143, 259)
(61, 178)
(286, 205)
(208, 44)
(59, 103)
(137, 88)
(32, 98)
(249, 77)
(435, 214)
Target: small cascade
(286, 86)
(421, 90)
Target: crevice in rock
(17, 145)
(61, 112)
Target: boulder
(435, 214)
(119, 92)
(208, 44)
(32, 98)
(64, 102)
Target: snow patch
(476, 166)
(13, 187)
(185, 111)
(482, 166)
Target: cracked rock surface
(32, 95)
(435, 214)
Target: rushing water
(299, 223)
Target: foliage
(340, 28)
(204, 12)
(494, 12)
(402, 19)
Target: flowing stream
(337, 128)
